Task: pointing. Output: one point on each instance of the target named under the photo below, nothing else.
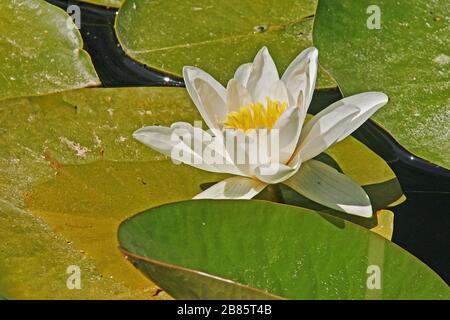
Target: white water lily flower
(256, 98)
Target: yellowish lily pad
(41, 51)
(385, 227)
(35, 260)
(75, 166)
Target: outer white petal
(243, 73)
(233, 188)
(289, 126)
(301, 76)
(325, 129)
(207, 94)
(263, 76)
(237, 96)
(164, 140)
(274, 173)
(179, 143)
(325, 185)
(368, 103)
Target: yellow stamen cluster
(256, 116)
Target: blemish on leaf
(260, 28)
(442, 59)
(79, 150)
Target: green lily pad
(41, 51)
(76, 168)
(407, 59)
(287, 251)
(105, 3)
(216, 36)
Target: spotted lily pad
(75, 166)
(40, 51)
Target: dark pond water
(422, 222)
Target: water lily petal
(301, 76)
(274, 172)
(237, 96)
(279, 92)
(208, 95)
(184, 143)
(164, 140)
(368, 103)
(233, 188)
(325, 129)
(325, 185)
(243, 73)
(263, 76)
(289, 126)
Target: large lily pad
(217, 36)
(40, 50)
(75, 166)
(283, 250)
(60, 168)
(407, 58)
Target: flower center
(255, 116)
